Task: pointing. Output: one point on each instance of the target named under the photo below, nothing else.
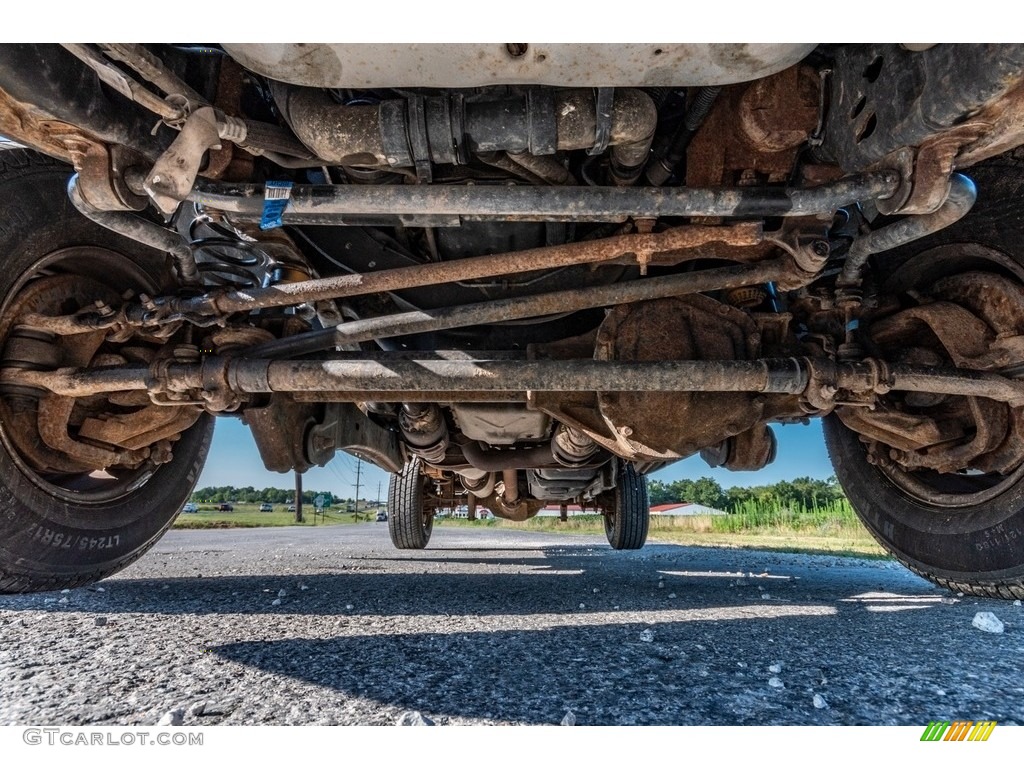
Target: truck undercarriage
(512, 275)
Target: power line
(359, 467)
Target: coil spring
(224, 259)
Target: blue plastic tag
(275, 199)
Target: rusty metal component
(1008, 456)
(509, 503)
(65, 435)
(234, 338)
(950, 440)
(523, 510)
(30, 309)
(976, 320)
(500, 424)
(672, 246)
(510, 486)
(141, 230)
(141, 428)
(963, 334)
(555, 375)
(279, 429)
(54, 415)
(884, 97)
(926, 171)
(808, 246)
(83, 321)
(499, 460)
(150, 67)
(778, 113)
(68, 104)
(746, 298)
(544, 167)
(688, 328)
(417, 131)
(242, 375)
(444, 205)
(409, 396)
(977, 317)
(226, 162)
(1002, 119)
(125, 85)
(630, 123)
(962, 195)
(346, 428)
(899, 429)
(424, 429)
(29, 349)
(21, 426)
(934, 164)
(944, 382)
(641, 248)
(101, 178)
(671, 151)
(502, 161)
(574, 381)
(750, 450)
(174, 173)
(558, 302)
(34, 128)
(755, 130)
(572, 447)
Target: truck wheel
(964, 532)
(410, 520)
(66, 517)
(961, 528)
(627, 511)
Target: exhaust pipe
(448, 129)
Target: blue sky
(235, 461)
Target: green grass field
(820, 532)
(832, 529)
(249, 516)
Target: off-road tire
(47, 543)
(410, 523)
(975, 550)
(627, 518)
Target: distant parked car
(291, 507)
(190, 508)
(265, 507)
(382, 516)
(225, 507)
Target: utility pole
(378, 494)
(298, 497)
(359, 467)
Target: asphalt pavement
(333, 626)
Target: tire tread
(405, 508)
(1006, 588)
(632, 510)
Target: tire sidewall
(46, 541)
(983, 541)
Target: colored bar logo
(958, 730)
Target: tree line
(250, 495)
(803, 492)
